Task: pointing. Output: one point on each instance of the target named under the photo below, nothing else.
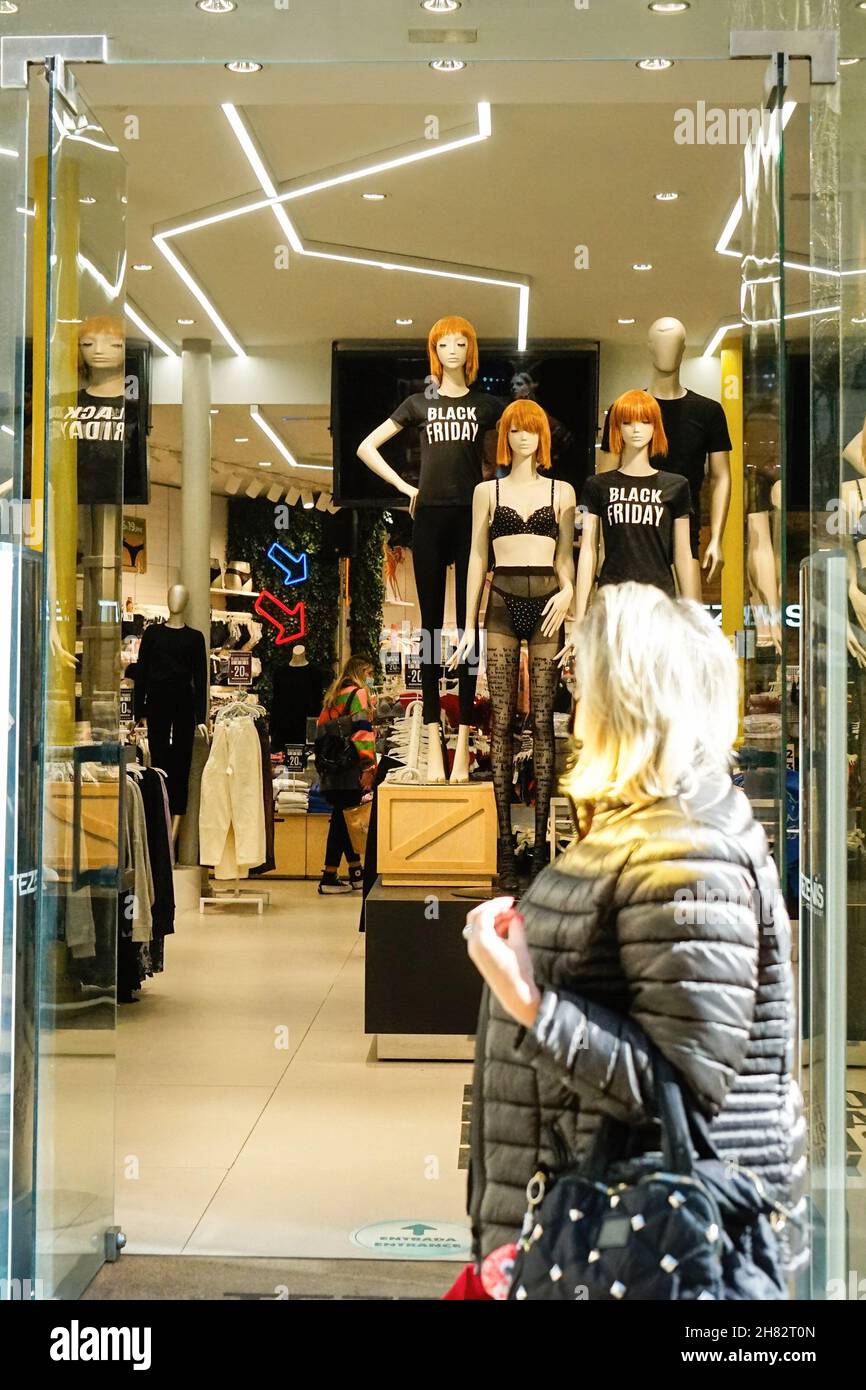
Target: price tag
(240, 668)
(413, 673)
(126, 711)
(392, 663)
(295, 757)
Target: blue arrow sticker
(294, 567)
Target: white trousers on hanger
(231, 822)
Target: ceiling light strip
(179, 265)
(148, 330)
(267, 428)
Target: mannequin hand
(64, 659)
(203, 730)
(465, 651)
(713, 560)
(855, 646)
(858, 602)
(412, 494)
(496, 942)
(556, 610)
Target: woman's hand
(556, 610)
(496, 939)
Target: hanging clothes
(154, 795)
(269, 862)
(139, 858)
(232, 813)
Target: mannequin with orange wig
(641, 512)
(528, 519)
(452, 418)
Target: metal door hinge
(820, 46)
(18, 51)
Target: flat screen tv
(370, 379)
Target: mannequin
(452, 418)
(760, 428)
(171, 683)
(697, 435)
(642, 512)
(297, 696)
(530, 522)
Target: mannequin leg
(467, 673)
(502, 674)
(430, 561)
(543, 682)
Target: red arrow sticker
(267, 601)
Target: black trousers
(442, 536)
(339, 842)
(170, 714)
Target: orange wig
(99, 323)
(637, 405)
(452, 323)
(524, 415)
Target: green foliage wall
(367, 587)
(251, 533)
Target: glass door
(78, 389)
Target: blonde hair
(453, 323)
(659, 697)
(353, 673)
(529, 416)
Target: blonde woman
(661, 924)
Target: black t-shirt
(695, 426)
(171, 659)
(637, 520)
(451, 430)
(98, 424)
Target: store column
(195, 530)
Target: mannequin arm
(368, 453)
(687, 573)
(558, 606)
(477, 571)
(586, 565)
(720, 500)
(762, 565)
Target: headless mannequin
(527, 566)
(634, 462)
(451, 350)
(667, 343)
(299, 657)
(177, 599)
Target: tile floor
(250, 1119)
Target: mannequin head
(178, 598)
(453, 343)
(667, 343)
(523, 388)
(299, 656)
(102, 345)
(635, 419)
(524, 427)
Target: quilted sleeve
(687, 939)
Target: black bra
(508, 522)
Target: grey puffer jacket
(665, 922)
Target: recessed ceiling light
(862, 5)
(666, 197)
(214, 410)
(242, 439)
(860, 319)
(847, 62)
(142, 265)
(625, 320)
(669, 6)
(7, 7)
(655, 64)
(87, 200)
(404, 323)
(244, 65)
(264, 463)
(440, 6)
(216, 6)
(642, 265)
(447, 64)
(374, 197)
(185, 321)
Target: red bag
(468, 1285)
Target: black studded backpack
(680, 1224)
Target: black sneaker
(356, 877)
(330, 883)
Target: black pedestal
(419, 978)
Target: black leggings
(170, 715)
(442, 536)
(339, 841)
